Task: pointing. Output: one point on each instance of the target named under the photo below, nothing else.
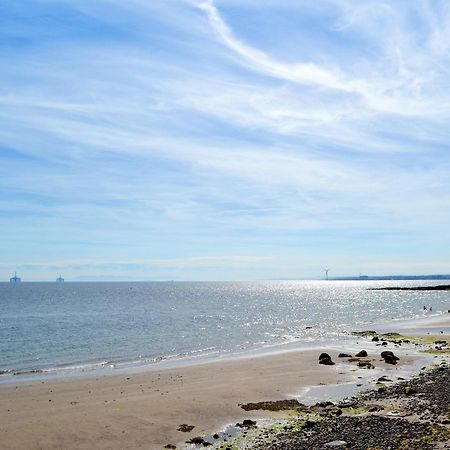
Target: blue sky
(226, 139)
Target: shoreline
(105, 367)
(145, 408)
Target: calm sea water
(48, 325)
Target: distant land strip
(392, 277)
(442, 287)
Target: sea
(78, 327)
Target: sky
(224, 139)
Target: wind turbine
(326, 272)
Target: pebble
(336, 444)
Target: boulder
(344, 355)
(375, 339)
(389, 357)
(361, 354)
(325, 359)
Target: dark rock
(185, 428)
(390, 360)
(344, 355)
(196, 440)
(326, 362)
(216, 436)
(384, 379)
(348, 405)
(247, 423)
(309, 424)
(384, 343)
(325, 359)
(326, 404)
(375, 339)
(361, 354)
(171, 446)
(389, 357)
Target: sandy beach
(144, 410)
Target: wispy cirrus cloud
(185, 129)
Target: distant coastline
(442, 287)
(392, 277)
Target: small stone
(336, 444)
(384, 379)
(410, 390)
(361, 354)
(375, 339)
(344, 355)
(185, 428)
(171, 446)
